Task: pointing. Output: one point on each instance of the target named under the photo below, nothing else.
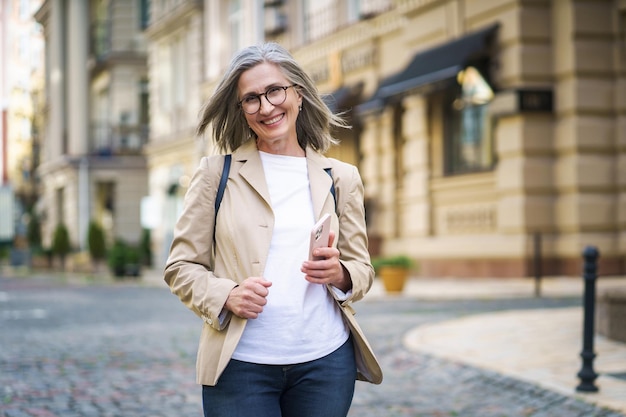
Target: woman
(274, 342)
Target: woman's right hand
(248, 298)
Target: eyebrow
(252, 94)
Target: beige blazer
(244, 224)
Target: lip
(273, 120)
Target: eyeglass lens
(275, 96)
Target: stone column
(56, 129)
(78, 86)
(78, 109)
(585, 138)
(415, 204)
(371, 174)
(620, 107)
(386, 198)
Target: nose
(265, 105)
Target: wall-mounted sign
(534, 100)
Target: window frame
(453, 134)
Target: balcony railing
(321, 22)
(110, 140)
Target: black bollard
(586, 374)
(537, 262)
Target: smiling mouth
(274, 119)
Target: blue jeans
(320, 388)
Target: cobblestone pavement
(128, 350)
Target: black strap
(221, 188)
(332, 187)
(224, 180)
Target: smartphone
(319, 236)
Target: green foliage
(146, 248)
(33, 232)
(398, 261)
(4, 251)
(124, 259)
(61, 244)
(97, 241)
(117, 258)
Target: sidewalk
(538, 346)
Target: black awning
(344, 98)
(431, 66)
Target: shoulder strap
(221, 187)
(224, 180)
(332, 187)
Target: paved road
(128, 351)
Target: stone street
(94, 349)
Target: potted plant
(133, 262)
(393, 271)
(117, 258)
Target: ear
(300, 96)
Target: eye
(249, 99)
(274, 91)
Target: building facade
(490, 135)
(23, 65)
(175, 56)
(190, 43)
(21, 84)
(92, 167)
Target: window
(179, 72)
(235, 20)
(105, 205)
(102, 143)
(320, 18)
(100, 30)
(144, 109)
(164, 77)
(144, 13)
(467, 130)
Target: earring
(300, 108)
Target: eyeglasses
(274, 95)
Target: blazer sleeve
(188, 270)
(352, 242)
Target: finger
(331, 237)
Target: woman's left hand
(327, 270)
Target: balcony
(112, 140)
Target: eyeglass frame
(258, 97)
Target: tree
(96, 240)
(61, 245)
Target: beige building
(185, 59)
(92, 165)
(485, 131)
(21, 83)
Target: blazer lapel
(252, 172)
(320, 181)
(252, 169)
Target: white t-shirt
(300, 321)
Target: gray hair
(228, 121)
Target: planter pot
(393, 278)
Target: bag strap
(221, 188)
(332, 187)
(224, 180)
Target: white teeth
(274, 120)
